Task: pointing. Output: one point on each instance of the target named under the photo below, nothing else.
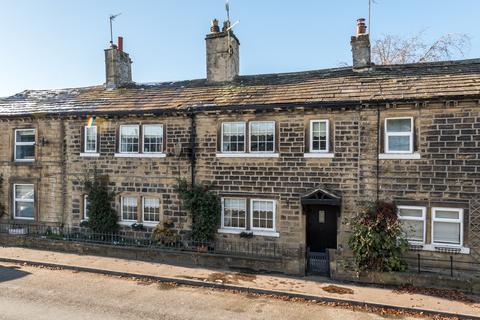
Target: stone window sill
(325, 155)
(255, 232)
(399, 156)
(140, 155)
(90, 154)
(248, 155)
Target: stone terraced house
(291, 155)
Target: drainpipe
(378, 154)
(193, 142)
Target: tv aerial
(112, 17)
(230, 26)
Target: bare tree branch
(391, 49)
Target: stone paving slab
(309, 286)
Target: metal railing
(451, 265)
(144, 239)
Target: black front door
(321, 227)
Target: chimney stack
(118, 66)
(361, 46)
(223, 53)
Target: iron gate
(318, 263)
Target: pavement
(28, 292)
(310, 288)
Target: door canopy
(321, 196)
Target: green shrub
(204, 207)
(377, 239)
(102, 217)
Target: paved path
(36, 293)
(308, 285)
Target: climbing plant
(102, 217)
(204, 207)
(2, 206)
(377, 239)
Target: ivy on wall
(102, 217)
(377, 241)
(204, 207)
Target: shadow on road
(11, 273)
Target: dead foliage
(447, 294)
(337, 289)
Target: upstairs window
(262, 136)
(153, 138)
(399, 135)
(24, 145)
(413, 223)
(90, 141)
(447, 226)
(233, 137)
(319, 138)
(129, 209)
(24, 201)
(129, 139)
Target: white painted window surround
(24, 201)
(399, 135)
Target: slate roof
(394, 82)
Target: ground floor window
(151, 210)
(140, 209)
(242, 214)
(86, 207)
(129, 209)
(24, 201)
(445, 226)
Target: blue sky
(57, 44)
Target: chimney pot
(120, 43)
(226, 25)
(361, 26)
(214, 28)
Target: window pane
(319, 136)
(153, 138)
(129, 209)
(233, 137)
(86, 208)
(25, 152)
(262, 136)
(414, 213)
(151, 210)
(446, 214)
(91, 139)
(446, 232)
(262, 214)
(25, 136)
(399, 125)
(24, 209)
(413, 230)
(399, 143)
(129, 139)
(24, 192)
(234, 213)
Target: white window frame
(120, 139)
(121, 209)
(15, 200)
(244, 137)
(24, 144)
(152, 223)
(85, 202)
(274, 229)
(250, 137)
(458, 221)
(327, 127)
(223, 214)
(143, 138)
(423, 219)
(85, 139)
(397, 134)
